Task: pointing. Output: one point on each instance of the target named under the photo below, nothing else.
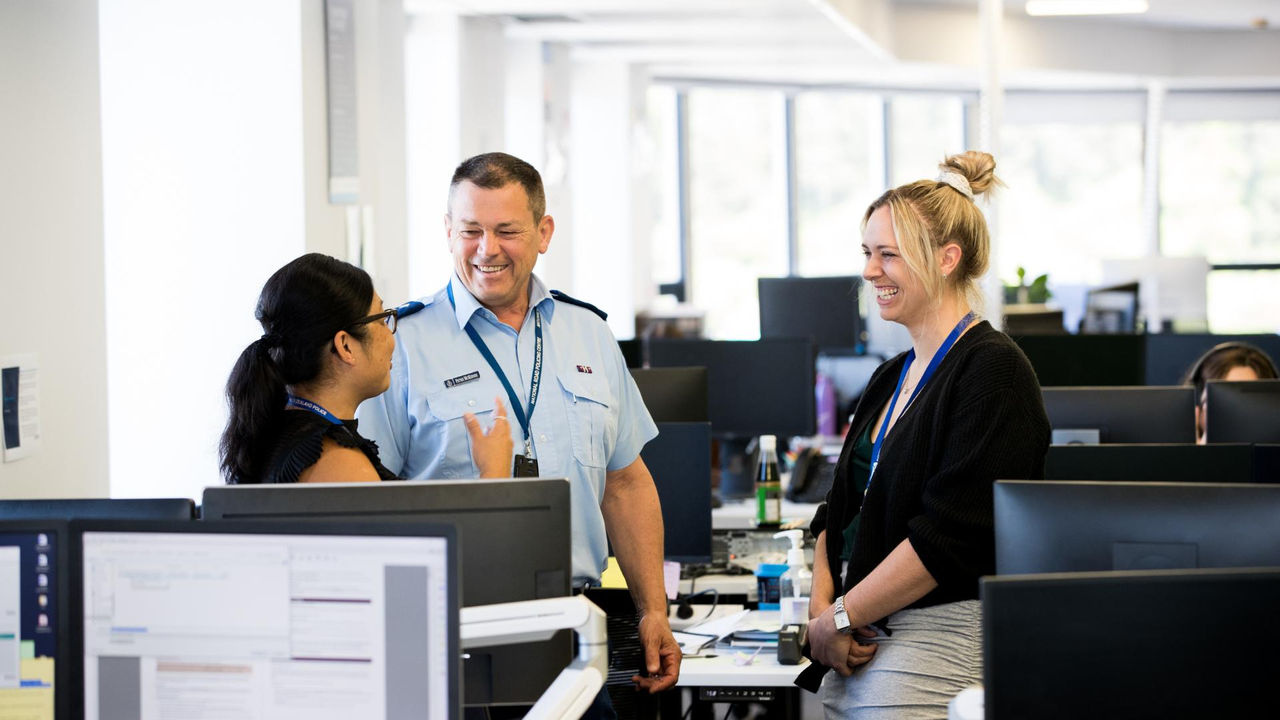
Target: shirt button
(471, 403)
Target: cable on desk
(685, 605)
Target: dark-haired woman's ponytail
(256, 395)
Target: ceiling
(829, 41)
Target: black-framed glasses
(388, 317)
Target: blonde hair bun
(979, 168)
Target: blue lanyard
(304, 404)
(902, 376)
(534, 383)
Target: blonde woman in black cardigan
(907, 528)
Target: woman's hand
(835, 649)
(491, 450)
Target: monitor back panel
(673, 394)
(1151, 463)
(1075, 360)
(1131, 645)
(1243, 412)
(100, 508)
(823, 309)
(35, 654)
(754, 387)
(680, 461)
(1047, 526)
(1124, 414)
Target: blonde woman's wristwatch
(842, 617)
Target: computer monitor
(680, 461)
(1170, 356)
(1084, 415)
(822, 309)
(100, 508)
(632, 352)
(1152, 463)
(515, 537)
(673, 394)
(1131, 644)
(317, 620)
(754, 387)
(1244, 411)
(1045, 526)
(1075, 360)
(1111, 309)
(35, 653)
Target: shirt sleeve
(1000, 433)
(385, 419)
(635, 425)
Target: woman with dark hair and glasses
(326, 348)
(1226, 361)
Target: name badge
(525, 467)
(462, 379)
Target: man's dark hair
(496, 170)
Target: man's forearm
(633, 518)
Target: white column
(203, 175)
(990, 118)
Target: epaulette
(409, 308)
(575, 301)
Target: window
(1074, 198)
(737, 197)
(839, 172)
(664, 197)
(923, 130)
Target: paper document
(720, 626)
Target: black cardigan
(979, 419)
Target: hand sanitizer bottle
(793, 586)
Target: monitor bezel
(78, 528)
(63, 675)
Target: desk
(715, 678)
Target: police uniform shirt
(589, 418)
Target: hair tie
(269, 340)
(957, 181)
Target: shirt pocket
(592, 424)
(446, 408)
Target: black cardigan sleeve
(994, 428)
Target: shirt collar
(466, 304)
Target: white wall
(51, 260)
(203, 169)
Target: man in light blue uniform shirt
(588, 422)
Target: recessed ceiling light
(1086, 7)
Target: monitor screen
(822, 309)
(1074, 360)
(1152, 463)
(34, 658)
(333, 620)
(515, 537)
(754, 387)
(680, 461)
(1131, 644)
(632, 352)
(1111, 310)
(1047, 526)
(1084, 415)
(673, 394)
(1242, 412)
(101, 508)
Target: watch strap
(842, 617)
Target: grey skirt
(933, 654)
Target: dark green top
(859, 469)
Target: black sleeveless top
(299, 442)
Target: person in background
(495, 328)
(900, 623)
(326, 347)
(1226, 361)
